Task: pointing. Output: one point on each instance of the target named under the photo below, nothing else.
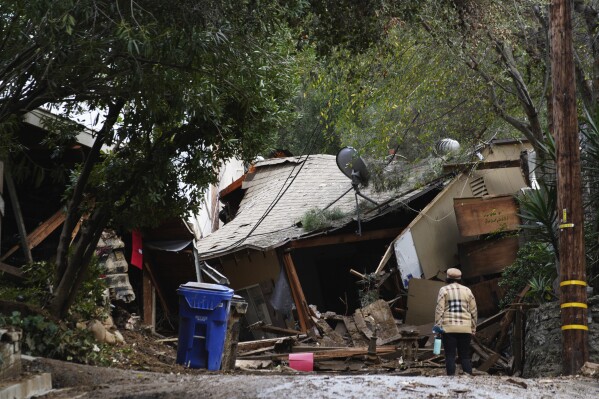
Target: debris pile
(371, 339)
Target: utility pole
(573, 284)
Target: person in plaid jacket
(456, 317)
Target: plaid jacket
(456, 309)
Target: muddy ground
(145, 368)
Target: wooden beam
(465, 167)
(345, 238)
(297, 293)
(320, 354)
(357, 274)
(247, 346)
(12, 192)
(148, 268)
(506, 322)
(13, 271)
(518, 341)
(385, 257)
(40, 233)
(149, 302)
(260, 325)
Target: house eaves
(38, 118)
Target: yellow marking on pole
(572, 282)
(575, 327)
(566, 226)
(574, 305)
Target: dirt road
(77, 381)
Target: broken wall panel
(422, 301)
(407, 258)
(488, 294)
(487, 256)
(435, 232)
(477, 216)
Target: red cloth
(137, 251)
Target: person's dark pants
(459, 342)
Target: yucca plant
(538, 210)
(541, 289)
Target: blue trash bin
(203, 314)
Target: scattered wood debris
(371, 338)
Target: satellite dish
(353, 166)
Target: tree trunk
(73, 211)
(70, 270)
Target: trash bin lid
(205, 286)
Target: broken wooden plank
(338, 365)
(385, 259)
(13, 271)
(251, 345)
(507, 320)
(149, 300)
(328, 354)
(357, 274)
(157, 289)
(485, 353)
(255, 352)
(297, 293)
(40, 233)
(260, 325)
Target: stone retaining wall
(10, 352)
(543, 342)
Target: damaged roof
(277, 196)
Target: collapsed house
(32, 205)
(288, 272)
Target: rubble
(370, 339)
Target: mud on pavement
(80, 381)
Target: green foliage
(90, 301)
(400, 94)
(538, 209)
(44, 338)
(541, 289)
(35, 290)
(534, 266)
(318, 219)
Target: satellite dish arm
(355, 182)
